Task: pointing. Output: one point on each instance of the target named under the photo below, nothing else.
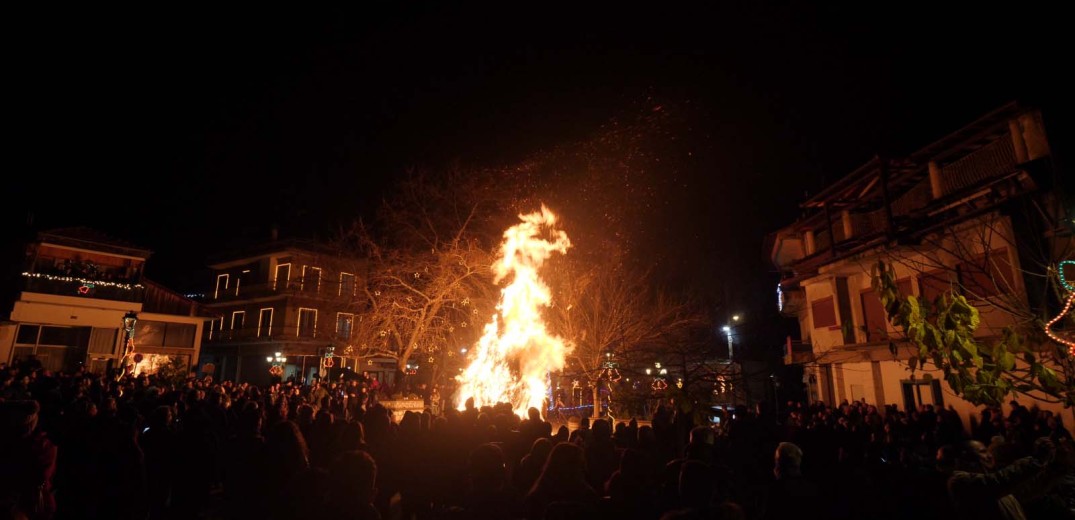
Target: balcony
(253, 335)
(798, 352)
(82, 288)
(269, 289)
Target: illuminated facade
(973, 212)
(68, 312)
(296, 298)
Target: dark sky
(191, 129)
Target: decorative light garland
(1048, 326)
(83, 281)
(1060, 270)
(572, 408)
(612, 374)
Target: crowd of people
(81, 445)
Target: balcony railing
(250, 334)
(83, 288)
(292, 287)
(797, 352)
(991, 160)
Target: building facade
(77, 287)
(974, 212)
(286, 309)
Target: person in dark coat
(28, 460)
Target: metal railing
(83, 288)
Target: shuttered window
(824, 312)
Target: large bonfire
(512, 361)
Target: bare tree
(609, 313)
(427, 287)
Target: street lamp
(129, 321)
(277, 360)
(728, 331)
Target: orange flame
(512, 360)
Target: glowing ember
(512, 360)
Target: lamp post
(130, 320)
(277, 360)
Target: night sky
(190, 130)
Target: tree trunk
(596, 400)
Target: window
(243, 276)
(221, 285)
(824, 312)
(344, 324)
(311, 279)
(918, 392)
(933, 284)
(103, 341)
(987, 275)
(307, 323)
(283, 275)
(57, 348)
(215, 326)
(873, 311)
(27, 334)
(150, 333)
(347, 284)
(180, 335)
(875, 318)
(265, 322)
(238, 318)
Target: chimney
(275, 233)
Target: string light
(83, 281)
(612, 374)
(1060, 270)
(1048, 326)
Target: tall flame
(512, 360)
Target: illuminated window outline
(352, 316)
(242, 320)
(261, 321)
(354, 283)
(302, 285)
(239, 279)
(276, 276)
(226, 277)
(298, 326)
(213, 325)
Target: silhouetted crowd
(82, 445)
